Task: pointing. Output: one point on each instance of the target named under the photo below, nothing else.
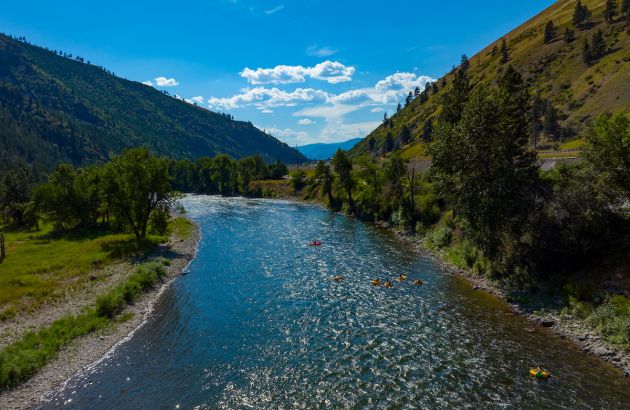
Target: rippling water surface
(258, 322)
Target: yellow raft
(539, 374)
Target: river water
(259, 322)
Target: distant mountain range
(326, 151)
(55, 107)
(570, 86)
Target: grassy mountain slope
(554, 71)
(56, 109)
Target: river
(259, 322)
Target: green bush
(612, 318)
(110, 304)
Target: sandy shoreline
(85, 352)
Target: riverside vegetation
(487, 206)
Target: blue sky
(306, 70)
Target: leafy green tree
(395, 169)
(246, 173)
(140, 186)
(325, 177)
(343, 167)
(224, 174)
(610, 11)
(368, 196)
(278, 170)
(427, 130)
(59, 200)
(482, 166)
(608, 150)
(15, 192)
(550, 32)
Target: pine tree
(465, 63)
(434, 88)
(416, 92)
(598, 45)
(569, 35)
(581, 14)
(611, 11)
(398, 108)
(505, 52)
(550, 32)
(409, 99)
(385, 118)
(550, 122)
(586, 52)
(455, 98)
(388, 145)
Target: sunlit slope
(554, 71)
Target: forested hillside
(574, 57)
(58, 108)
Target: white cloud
(274, 10)
(267, 111)
(148, 82)
(288, 135)
(166, 82)
(305, 121)
(332, 72)
(346, 131)
(195, 100)
(316, 51)
(268, 97)
(377, 109)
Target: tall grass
(23, 358)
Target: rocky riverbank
(81, 354)
(565, 325)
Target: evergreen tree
(388, 144)
(434, 88)
(550, 32)
(587, 55)
(581, 14)
(385, 118)
(405, 135)
(569, 35)
(398, 108)
(427, 130)
(465, 63)
(455, 98)
(598, 45)
(550, 122)
(505, 52)
(610, 11)
(416, 92)
(409, 98)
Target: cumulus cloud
(148, 82)
(305, 121)
(332, 72)
(316, 51)
(268, 97)
(195, 100)
(165, 82)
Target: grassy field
(181, 227)
(20, 360)
(40, 266)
